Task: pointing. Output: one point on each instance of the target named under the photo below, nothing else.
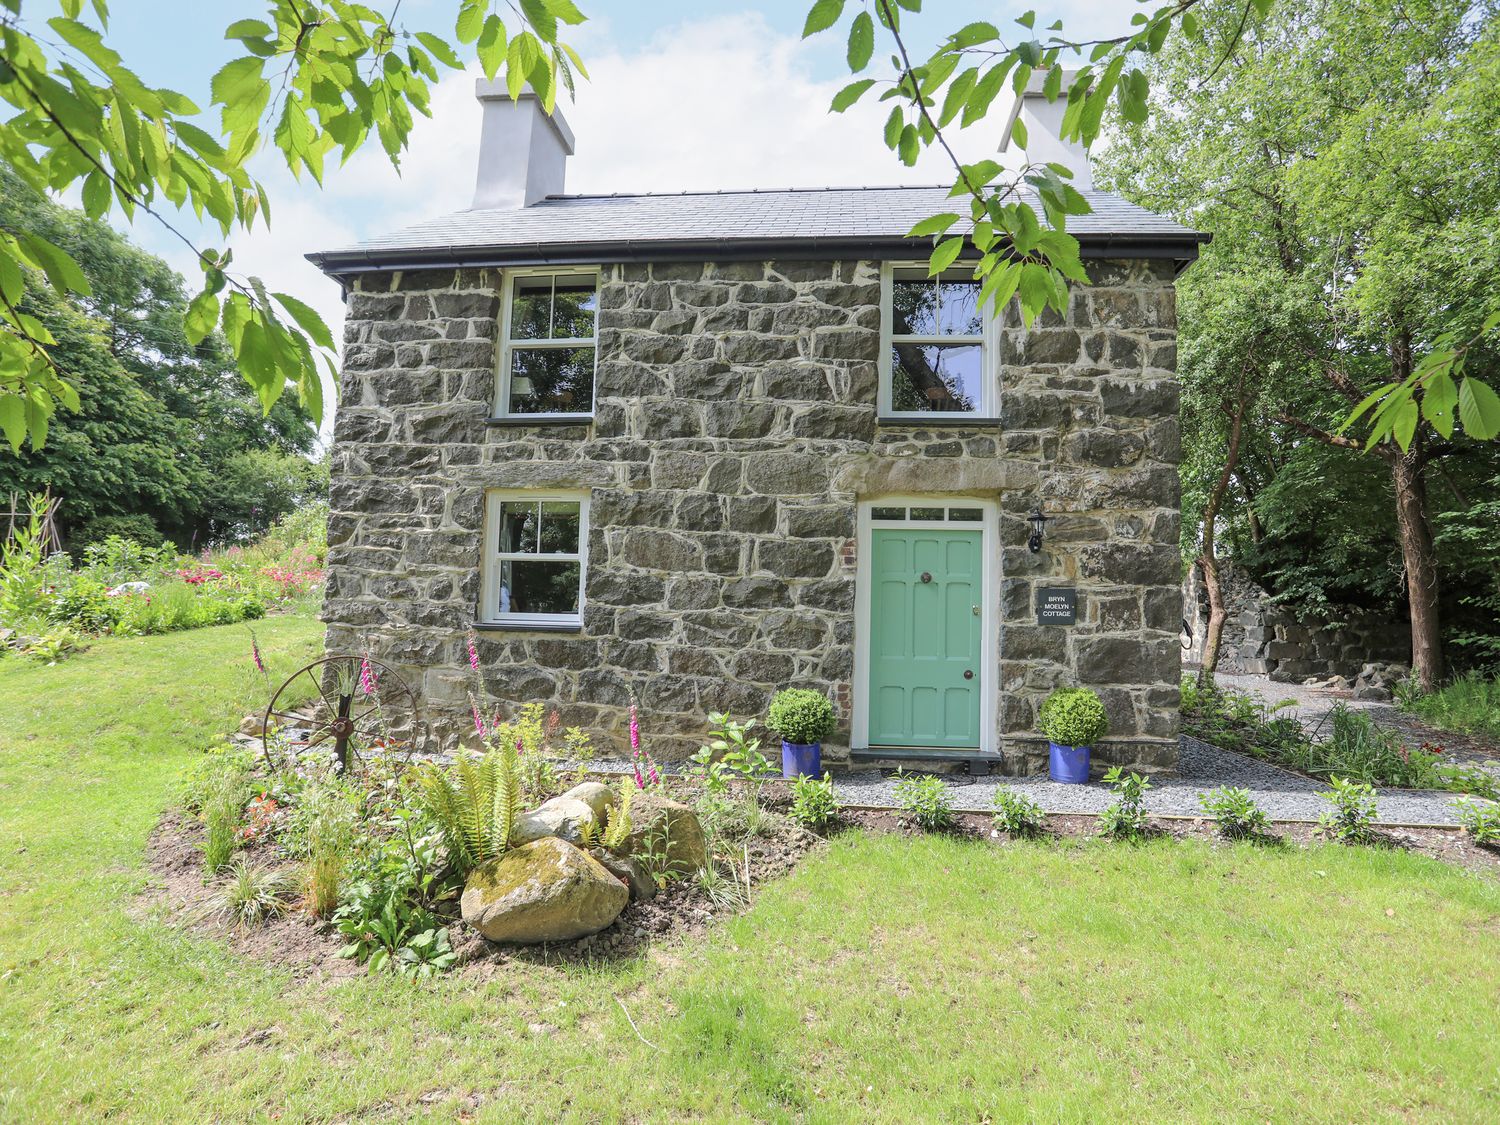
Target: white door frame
(989, 644)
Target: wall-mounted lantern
(1038, 526)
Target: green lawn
(888, 980)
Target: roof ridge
(746, 191)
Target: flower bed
(49, 604)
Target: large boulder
(564, 817)
(546, 890)
(658, 824)
(595, 794)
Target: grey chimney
(523, 150)
(1042, 120)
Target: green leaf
(440, 50)
(861, 42)
(974, 33)
(1478, 409)
(96, 194)
(491, 45)
(823, 15)
(850, 94)
(238, 81)
(13, 419)
(308, 320)
(541, 19)
(1439, 397)
(944, 255)
(201, 315)
(984, 93)
(471, 20)
(908, 147)
(248, 29)
(566, 11)
(893, 125)
(935, 224)
(61, 270)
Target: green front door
(925, 629)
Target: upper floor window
(536, 547)
(547, 335)
(936, 353)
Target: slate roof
(616, 227)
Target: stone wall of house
(1261, 636)
(735, 429)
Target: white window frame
(489, 603)
(990, 645)
(503, 365)
(987, 339)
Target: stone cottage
(688, 449)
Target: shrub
(1016, 814)
(1353, 813)
(254, 893)
(474, 804)
(1481, 821)
(732, 753)
(1073, 717)
(1235, 813)
(138, 528)
(1125, 818)
(801, 716)
(926, 799)
(813, 802)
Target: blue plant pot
(1070, 764)
(801, 758)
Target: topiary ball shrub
(1073, 717)
(801, 716)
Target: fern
(617, 817)
(475, 805)
(507, 797)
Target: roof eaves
(1182, 246)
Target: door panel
(924, 636)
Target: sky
(682, 95)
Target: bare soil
(680, 913)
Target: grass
(889, 979)
(1468, 705)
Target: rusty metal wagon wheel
(360, 710)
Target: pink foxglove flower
(367, 678)
(473, 652)
(260, 665)
(635, 731)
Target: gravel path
(1283, 795)
(1313, 705)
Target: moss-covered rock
(546, 890)
(661, 825)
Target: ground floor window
(535, 556)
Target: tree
(1351, 153)
(165, 432)
(319, 77)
